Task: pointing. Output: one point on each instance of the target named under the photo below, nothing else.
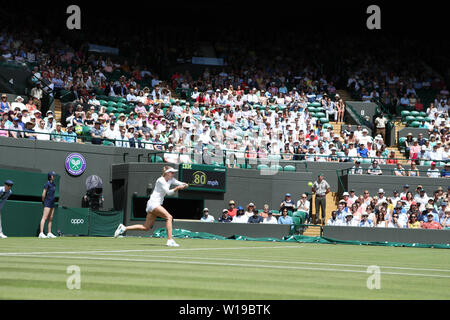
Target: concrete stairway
(58, 110)
(332, 201)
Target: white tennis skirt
(152, 205)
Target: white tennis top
(162, 188)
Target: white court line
(236, 265)
(276, 261)
(140, 250)
(115, 252)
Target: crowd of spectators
(253, 107)
(237, 214)
(408, 209)
(399, 170)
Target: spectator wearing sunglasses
(413, 223)
(365, 222)
(431, 223)
(394, 223)
(304, 205)
(445, 220)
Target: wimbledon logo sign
(75, 164)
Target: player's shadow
(152, 244)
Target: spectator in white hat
(381, 197)
(249, 211)
(18, 103)
(206, 216)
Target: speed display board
(202, 177)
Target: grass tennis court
(144, 268)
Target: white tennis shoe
(2, 236)
(120, 229)
(172, 243)
(51, 235)
(42, 236)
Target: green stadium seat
(405, 113)
(419, 118)
(245, 166)
(157, 159)
(414, 124)
(415, 113)
(108, 143)
(366, 160)
(324, 120)
(301, 215)
(427, 119)
(427, 163)
(320, 115)
(103, 103)
(86, 133)
(262, 167)
(401, 141)
(320, 110)
(423, 114)
(315, 104)
(110, 110)
(289, 168)
(327, 125)
(409, 118)
(276, 167)
(274, 157)
(297, 220)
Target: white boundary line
(237, 265)
(276, 261)
(140, 250)
(117, 253)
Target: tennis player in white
(154, 205)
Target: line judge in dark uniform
(320, 188)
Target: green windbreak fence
(104, 223)
(22, 219)
(27, 183)
(73, 221)
(181, 233)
